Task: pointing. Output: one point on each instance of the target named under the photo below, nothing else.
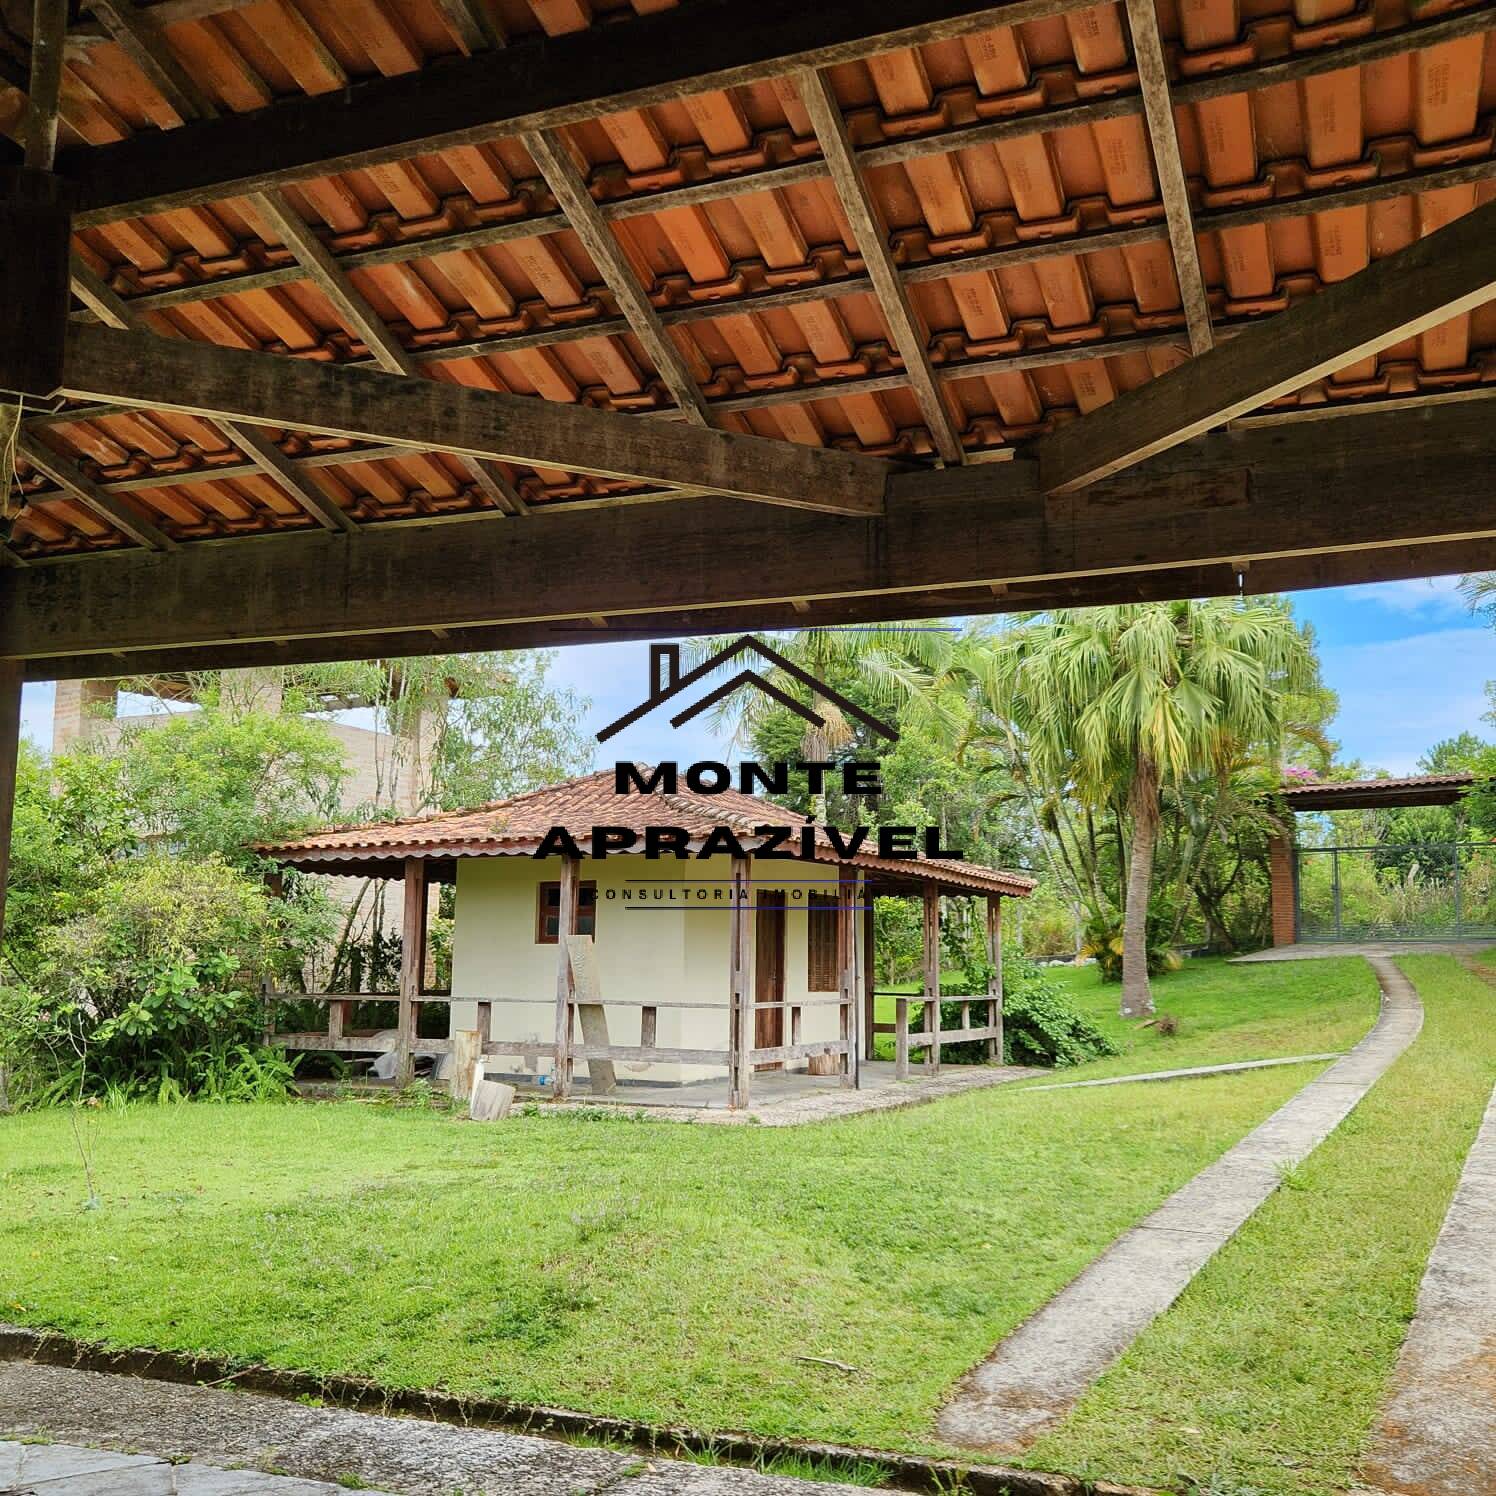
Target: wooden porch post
(740, 1006)
(995, 980)
(931, 932)
(869, 974)
(566, 924)
(847, 886)
(412, 964)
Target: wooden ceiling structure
(352, 327)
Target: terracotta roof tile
(1037, 261)
(517, 825)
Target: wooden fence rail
(932, 1038)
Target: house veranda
(678, 978)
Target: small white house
(644, 973)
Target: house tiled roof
(1361, 794)
(517, 825)
(1409, 781)
(1011, 166)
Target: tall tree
(1111, 705)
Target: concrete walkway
(224, 1428)
(1033, 1379)
(1437, 1432)
(72, 1470)
(1191, 1072)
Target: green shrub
(1040, 1025)
(152, 989)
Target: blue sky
(1407, 659)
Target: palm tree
(1111, 704)
(900, 667)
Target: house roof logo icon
(666, 683)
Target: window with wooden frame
(548, 911)
(823, 975)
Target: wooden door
(768, 969)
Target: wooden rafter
(136, 369)
(49, 31)
(1158, 107)
(1228, 502)
(145, 45)
(569, 187)
(264, 456)
(535, 84)
(353, 307)
(1450, 272)
(872, 240)
(78, 485)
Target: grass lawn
(653, 1270)
(1265, 1377)
(1253, 1012)
(1259, 1011)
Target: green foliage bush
(1040, 1025)
(151, 988)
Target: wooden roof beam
(1261, 498)
(139, 370)
(78, 485)
(872, 240)
(1398, 297)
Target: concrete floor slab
(1033, 1379)
(1437, 1432)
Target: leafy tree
(207, 783)
(1109, 706)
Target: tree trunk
(1137, 994)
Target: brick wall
(1280, 861)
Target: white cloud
(1400, 696)
(1424, 598)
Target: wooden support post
(586, 987)
(869, 974)
(846, 965)
(337, 1019)
(485, 1028)
(741, 1016)
(412, 963)
(466, 1058)
(931, 933)
(995, 980)
(566, 924)
(901, 1039)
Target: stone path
(1187, 1074)
(1033, 1379)
(230, 1428)
(1437, 1431)
(71, 1470)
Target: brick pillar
(1280, 863)
(78, 709)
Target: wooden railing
(338, 1038)
(931, 1038)
(595, 1047)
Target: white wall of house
(671, 948)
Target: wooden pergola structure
(926, 306)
